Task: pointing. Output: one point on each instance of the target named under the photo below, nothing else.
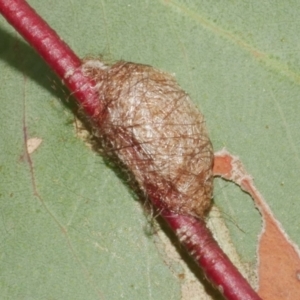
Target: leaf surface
(70, 227)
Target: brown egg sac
(150, 123)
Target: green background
(69, 227)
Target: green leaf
(70, 228)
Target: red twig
(200, 244)
(53, 50)
(192, 232)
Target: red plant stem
(53, 50)
(192, 232)
(200, 244)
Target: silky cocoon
(156, 131)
